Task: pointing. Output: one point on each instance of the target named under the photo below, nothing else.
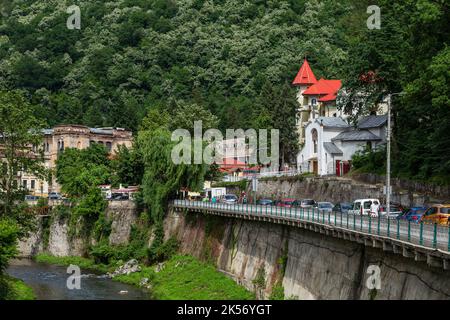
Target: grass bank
(83, 263)
(16, 289)
(180, 278)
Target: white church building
(330, 143)
(328, 140)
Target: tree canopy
(233, 58)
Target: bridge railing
(432, 236)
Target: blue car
(413, 214)
(264, 202)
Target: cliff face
(55, 237)
(309, 265)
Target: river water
(49, 282)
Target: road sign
(384, 190)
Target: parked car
(342, 207)
(264, 202)
(120, 196)
(32, 198)
(230, 199)
(439, 214)
(362, 206)
(414, 214)
(287, 203)
(395, 211)
(307, 203)
(55, 196)
(325, 206)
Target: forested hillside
(235, 58)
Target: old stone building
(61, 137)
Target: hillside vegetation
(236, 59)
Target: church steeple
(305, 76)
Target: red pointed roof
(305, 76)
(328, 89)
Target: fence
(427, 235)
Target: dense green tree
(78, 171)
(406, 56)
(128, 166)
(134, 56)
(20, 148)
(20, 151)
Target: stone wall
(336, 189)
(430, 190)
(123, 215)
(34, 243)
(316, 266)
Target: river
(49, 283)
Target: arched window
(314, 139)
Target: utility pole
(388, 164)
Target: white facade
(314, 150)
(330, 143)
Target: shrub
(164, 251)
(277, 292)
(373, 161)
(102, 227)
(102, 253)
(9, 233)
(61, 211)
(91, 205)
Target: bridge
(422, 242)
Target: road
(427, 235)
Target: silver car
(230, 199)
(307, 203)
(393, 214)
(325, 206)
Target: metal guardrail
(432, 236)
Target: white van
(362, 206)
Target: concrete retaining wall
(316, 266)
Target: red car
(287, 203)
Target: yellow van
(439, 214)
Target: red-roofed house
(305, 76)
(315, 98)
